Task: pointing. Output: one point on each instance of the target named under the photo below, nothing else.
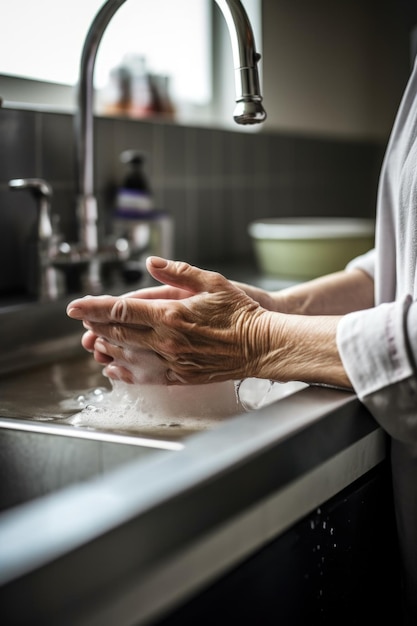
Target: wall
(214, 182)
(335, 68)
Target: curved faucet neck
(248, 96)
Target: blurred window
(42, 40)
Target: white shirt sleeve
(365, 262)
(378, 348)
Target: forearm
(303, 348)
(334, 294)
(302, 342)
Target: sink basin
(58, 420)
(41, 451)
(74, 394)
(35, 461)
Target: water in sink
(157, 410)
(75, 392)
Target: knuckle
(119, 310)
(182, 267)
(171, 348)
(119, 334)
(173, 317)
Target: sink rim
(67, 430)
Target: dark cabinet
(338, 566)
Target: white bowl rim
(311, 228)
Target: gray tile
(174, 149)
(17, 239)
(176, 205)
(211, 235)
(203, 153)
(105, 158)
(17, 145)
(57, 148)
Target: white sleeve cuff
(373, 346)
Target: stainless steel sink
(35, 461)
(46, 382)
(41, 452)
(43, 449)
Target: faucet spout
(249, 109)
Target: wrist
(303, 348)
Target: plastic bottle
(147, 231)
(135, 195)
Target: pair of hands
(197, 327)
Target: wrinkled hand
(196, 328)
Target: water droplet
(91, 408)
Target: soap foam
(149, 409)
(172, 411)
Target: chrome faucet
(249, 110)
(48, 277)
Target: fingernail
(173, 377)
(100, 345)
(158, 262)
(111, 371)
(75, 312)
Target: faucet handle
(50, 281)
(39, 185)
(42, 192)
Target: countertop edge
(112, 538)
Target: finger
(184, 276)
(144, 369)
(162, 292)
(116, 337)
(108, 350)
(96, 346)
(113, 310)
(101, 358)
(118, 372)
(88, 340)
(102, 353)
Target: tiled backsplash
(212, 181)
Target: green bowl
(305, 248)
